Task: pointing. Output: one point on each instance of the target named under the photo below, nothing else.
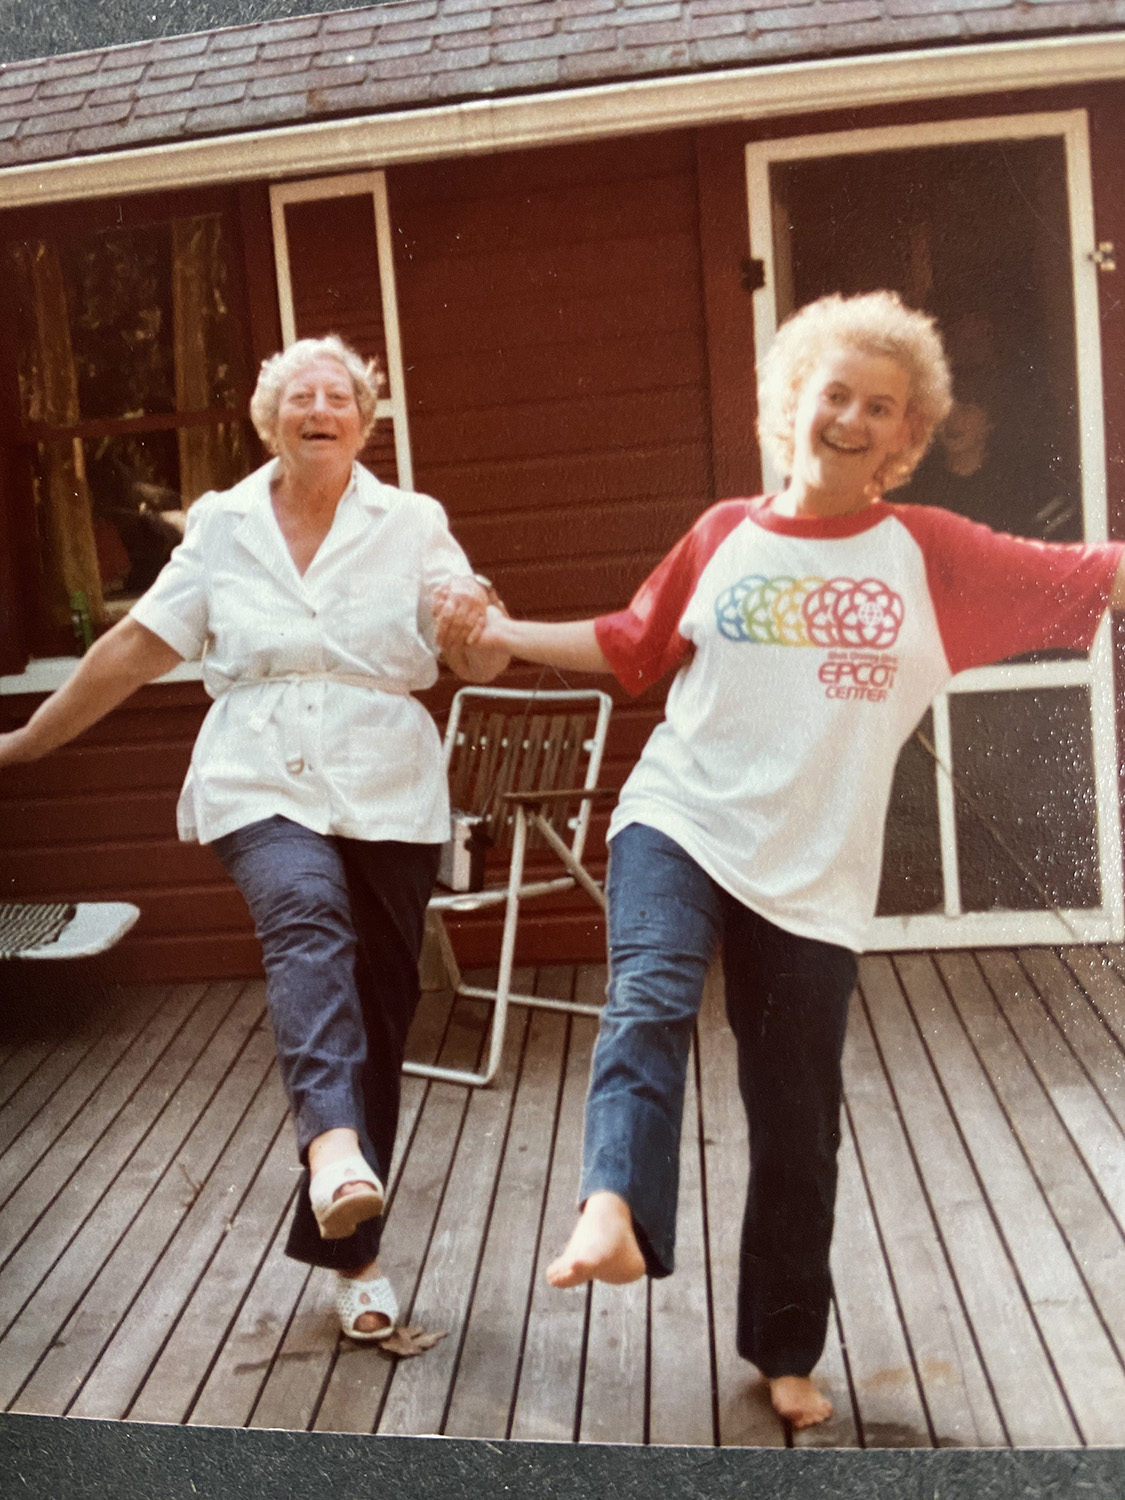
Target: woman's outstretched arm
(124, 659)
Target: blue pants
(787, 1004)
(340, 922)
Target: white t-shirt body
(312, 674)
(807, 653)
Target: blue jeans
(340, 922)
(787, 1004)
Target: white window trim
(46, 673)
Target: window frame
(32, 648)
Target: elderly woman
(809, 630)
(320, 600)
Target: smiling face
(318, 420)
(850, 422)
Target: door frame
(352, 185)
(954, 927)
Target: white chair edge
(95, 927)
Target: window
(132, 394)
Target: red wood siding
(556, 362)
(96, 821)
(555, 348)
(578, 359)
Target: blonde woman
(808, 630)
(320, 600)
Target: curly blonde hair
(877, 323)
(279, 370)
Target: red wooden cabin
(567, 228)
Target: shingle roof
(411, 53)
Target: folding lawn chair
(62, 930)
(525, 763)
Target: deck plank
(548, 1390)
(358, 1384)
(114, 1380)
(616, 1376)
(26, 1059)
(745, 1416)
(354, 1388)
(63, 1084)
(1093, 1239)
(39, 1035)
(1090, 1039)
(291, 1391)
(833, 1377)
(1085, 1362)
(962, 1411)
(233, 1385)
(40, 1293)
(883, 1378)
(681, 1408)
(181, 1368)
(981, 1157)
(79, 1161)
(1095, 1134)
(97, 1318)
(420, 1392)
(488, 1370)
(1033, 1408)
(1103, 984)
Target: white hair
(877, 323)
(279, 370)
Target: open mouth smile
(844, 448)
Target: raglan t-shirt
(807, 652)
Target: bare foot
(368, 1322)
(603, 1246)
(797, 1400)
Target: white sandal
(338, 1216)
(355, 1297)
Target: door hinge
(1105, 256)
(753, 274)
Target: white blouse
(311, 676)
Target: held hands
(495, 633)
(459, 607)
(462, 631)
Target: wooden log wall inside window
(132, 397)
(50, 396)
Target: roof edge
(564, 116)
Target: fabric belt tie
(281, 692)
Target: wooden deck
(146, 1172)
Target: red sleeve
(997, 596)
(643, 642)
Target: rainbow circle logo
(787, 611)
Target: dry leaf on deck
(409, 1340)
